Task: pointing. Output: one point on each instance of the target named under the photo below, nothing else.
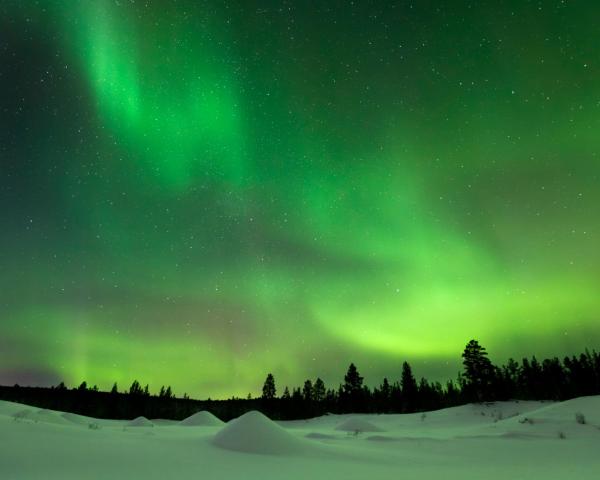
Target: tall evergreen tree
(408, 384)
(352, 396)
(319, 390)
(269, 391)
(136, 389)
(307, 391)
(479, 371)
(385, 388)
(352, 381)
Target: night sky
(197, 194)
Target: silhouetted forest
(480, 381)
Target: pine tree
(352, 391)
(135, 388)
(269, 391)
(114, 389)
(352, 381)
(307, 391)
(319, 390)
(408, 384)
(479, 372)
(385, 388)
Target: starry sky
(197, 193)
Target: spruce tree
(352, 381)
(479, 371)
(307, 391)
(269, 391)
(319, 390)
(135, 388)
(385, 388)
(408, 384)
(352, 390)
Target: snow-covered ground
(505, 440)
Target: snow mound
(358, 425)
(10, 408)
(42, 416)
(163, 422)
(566, 411)
(255, 433)
(76, 419)
(201, 419)
(578, 417)
(140, 422)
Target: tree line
(480, 381)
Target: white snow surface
(358, 425)
(201, 419)
(140, 422)
(255, 433)
(504, 440)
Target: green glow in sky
(197, 194)
(179, 115)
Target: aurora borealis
(197, 194)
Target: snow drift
(201, 419)
(255, 433)
(43, 416)
(140, 422)
(76, 419)
(358, 425)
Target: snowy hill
(504, 440)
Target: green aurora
(199, 193)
